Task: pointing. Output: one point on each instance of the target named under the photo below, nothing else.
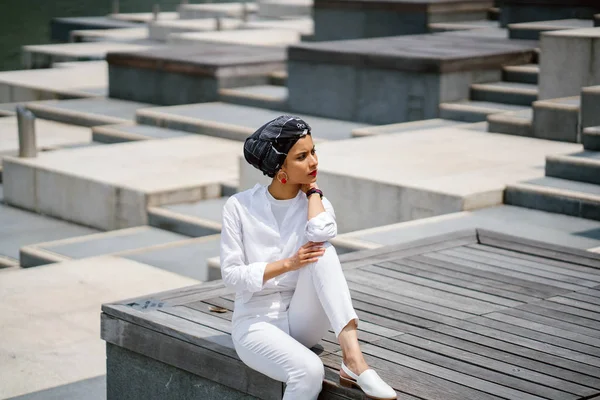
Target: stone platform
(112, 186)
(257, 37)
(468, 315)
(109, 35)
(60, 28)
(50, 330)
(160, 30)
(186, 74)
(144, 17)
(131, 132)
(533, 30)
(516, 11)
(394, 79)
(429, 172)
(86, 80)
(222, 10)
(305, 26)
(231, 121)
(44, 55)
(355, 19)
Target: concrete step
(582, 167)
(194, 219)
(8, 109)
(462, 25)
(556, 195)
(591, 138)
(533, 30)
(263, 96)
(522, 94)
(234, 122)
(473, 110)
(406, 127)
(278, 78)
(590, 106)
(121, 133)
(87, 112)
(517, 123)
(494, 13)
(527, 73)
(557, 119)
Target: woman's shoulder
(241, 198)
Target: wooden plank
(365, 257)
(511, 363)
(572, 319)
(184, 355)
(568, 309)
(550, 322)
(199, 318)
(356, 289)
(528, 246)
(580, 283)
(175, 301)
(546, 329)
(507, 336)
(442, 372)
(518, 258)
(584, 298)
(532, 288)
(437, 284)
(499, 270)
(414, 383)
(552, 357)
(175, 327)
(558, 267)
(465, 280)
(587, 354)
(409, 346)
(591, 292)
(576, 303)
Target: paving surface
(258, 37)
(63, 301)
(471, 315)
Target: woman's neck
(283, 192)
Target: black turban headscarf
(267, 148)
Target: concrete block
(519, 123)
(190, 73)
(517, 11)
(161, 30)
(581, 167)
(365, 19)
(109, 191)
(521, 73)
(532, 30)
(113, 35)
(262, 96)
(360, 81)
(144, 17)
(590, 106)
(522, 94)
(474, 111)
(305, 25)
(557, 119)
(284, 8)
(223, 10)
(60, 28)
(130, 132)
(257, 37)
(570, 60)
(590, 138)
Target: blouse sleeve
(235, 272)
(322, 227)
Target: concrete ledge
(557, 119)
(7, 263)
(181, 223)
(223, 10)
(130, 132)
(403, 127)
(580, 167)
(474, 111)
(517, 123)
(522, 94)
(74, 117)
(161, 30)
(527, 73)
(533, 30)
(591, 138)
(269, 97)
(590, 106)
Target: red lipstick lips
(314, 173)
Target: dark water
(28, 21)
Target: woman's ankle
(356, 363)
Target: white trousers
(273, 331)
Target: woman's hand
(307, 186)
(308, 253)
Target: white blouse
(251, 238)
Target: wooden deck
(471, 315)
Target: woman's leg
(322, 299)
(271, 351)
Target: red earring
(284, 180)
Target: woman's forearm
(315, 205)
(275, 268)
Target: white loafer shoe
(370, 383)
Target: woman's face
(301, 161)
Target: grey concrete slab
(522, 94)
(304, 26)
(475, 111)
(60, 28)
(519, 123)
(527, 73)
(185, 74)
(590, 138)
(490, 33)
(517, 11)
(131, 132)
(91, 388)
(234, 121)
(185, 258)
(404, 127)
(223, 10)
(570, 60)
(112, 186)
(262, 96)
(582, 166)
(98, 244)
(161, 30)
(44, 55)
(353, 19)
(8, 109)
(194, 219)
(590, 106)
(557, 119)
(284, 8)
(112, 35)
(462, 25)
(20, 228)
(394, 79)
(144, 16)
(532, 224)
(532, 30)
(84, 80)
(87, 112)
(256, 37)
